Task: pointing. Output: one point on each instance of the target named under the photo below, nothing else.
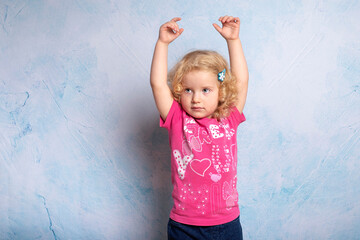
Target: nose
(195, 98)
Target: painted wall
(81, 153)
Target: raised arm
(158, 77)
(230, 31)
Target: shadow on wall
(160, 177)
(149, 147)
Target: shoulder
(236, 117)
(174, 112)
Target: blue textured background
(81, 153)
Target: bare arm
(239, 69)
(230, 31)
(158, 76)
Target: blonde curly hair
(207, 61)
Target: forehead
(200, 78)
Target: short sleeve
(175, 107)
(236, 117)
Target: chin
(197, 115)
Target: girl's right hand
(169, 31)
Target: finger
(228, 19)
(181, 31)
(173, 26)
(177, 34)
(224, 19)
(217, 27)
(175, 19)
(231, 19)
(167, 26)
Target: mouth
(197, 108)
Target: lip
(197, 108)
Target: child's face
(201, 93)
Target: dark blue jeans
(227, 231)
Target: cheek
(217, 96)
(183, 98)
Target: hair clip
(221, 75)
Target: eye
(206, 90)
(187, 90)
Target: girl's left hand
(230, 27)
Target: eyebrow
(210, 87)
(206, 86)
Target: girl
(201, 112)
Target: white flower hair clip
(221, 75)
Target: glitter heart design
(195, 143)
(186, 148)
(215, 131)
(200, 166)
(215, 177)
(182, 163)
(231, 201)
(204, 135)
(227, 190)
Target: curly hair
(206, 61)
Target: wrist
(162, 43)
(233, 40)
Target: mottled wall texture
(81, 152)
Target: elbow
(243, 79)
(154, 85)
(158, 86)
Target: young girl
(201, 112)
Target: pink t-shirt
(203, 167)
